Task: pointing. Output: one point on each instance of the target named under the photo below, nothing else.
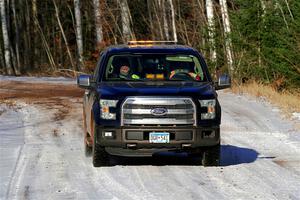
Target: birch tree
(126, 20)
(78, 32)
(6, 42)
(173, 21)
(164, 13)
(227, 30)
(211, 29)
(98, 23)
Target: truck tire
(211, 156)
(100, 156)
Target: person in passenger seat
(127, 73)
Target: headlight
(211, 111)
(105, 112)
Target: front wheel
(99, 155)
(211, 156)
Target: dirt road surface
(42, 157)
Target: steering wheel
(182, 75)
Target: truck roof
(172, 49)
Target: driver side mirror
(85, 81)
(223, 82)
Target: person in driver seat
(185, 71)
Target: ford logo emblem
(159, 111)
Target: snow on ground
(41, 157)
(296, 115)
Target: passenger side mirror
(84, 81)
(223, 82)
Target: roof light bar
(149, 42)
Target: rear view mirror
(223, 82)
(84, 81)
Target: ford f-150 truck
(144, 98)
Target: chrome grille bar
(137, 111)
(148, 111)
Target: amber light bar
(149, 42)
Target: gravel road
(42, 157)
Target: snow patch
(296, 116)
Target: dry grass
(288, 102)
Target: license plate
(159, 137)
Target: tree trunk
(26, 35)
(64, 36)
(288, 7)
(157, 11)
(211, 30)
(150, 19)
(226, 25)
(45, 44)
(78, 32)
(2, 62)
(125, 15)
(98, 23)
(34, 36)
(166, 26)
(7, 55)
(173, 21)
(17, 39)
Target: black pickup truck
(146, 98)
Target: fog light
(108, 134)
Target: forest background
(253, 40)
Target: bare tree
(2, 62)
(289, 9)
(173, 20)
(165, 20)
(98, 23)
(126, 21)
(227, 30)
(35, 35)
(150, 18)
(6, 42)
(211, 29)
(63, 34)
(17, 38)
(78, 32)
(157, 12)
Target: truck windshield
(154, 68)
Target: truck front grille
(139, 111)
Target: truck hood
(117, 90)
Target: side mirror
(84, 81)
(223, 82)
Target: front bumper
(134, 141)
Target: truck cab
(147, 98)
